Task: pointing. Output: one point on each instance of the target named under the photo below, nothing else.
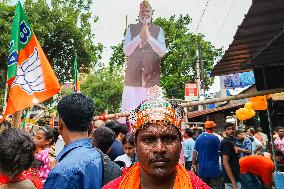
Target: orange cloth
(132, 178)
(258, 165)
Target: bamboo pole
(196, 103)
(228, 98)
(17, 119)
(112, 116)
(5, 97)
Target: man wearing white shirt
(144, 44)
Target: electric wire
(226, 17)
(203, 12)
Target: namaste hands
(144, 34)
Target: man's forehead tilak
(158, 130)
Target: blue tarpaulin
(239, 80)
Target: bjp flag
(30, 76)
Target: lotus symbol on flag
(29, 74)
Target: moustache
(158, 158)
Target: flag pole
(75, 67)
(17, 119)
(26, 118)
(5, 96)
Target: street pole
(201, 69)
(199, 75)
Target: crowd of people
(80, 153)
(235, 158)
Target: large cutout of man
(144, 44)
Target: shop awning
(214, 110)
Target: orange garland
(132, 178)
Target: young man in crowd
(79, 164)
(120, 131)
(230, 158)
(102, 138)
(206, 156)
(188, 146)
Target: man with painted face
(144, 44)
(158, 146)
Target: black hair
(258, 128)
(238, 132)
(129, 139)
(110, 124)
(16, 151)
(251, 130)
(228, 124)
(119, 128)
(278, 153)
(76, 111)
(279, 127)
(50, 133)
(103, 138)
(189, 132)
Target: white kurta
(133, 96)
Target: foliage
(62, 28)
(105, 87)
(117, 59)
(178, 66)
(6, 20)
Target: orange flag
(30, 76)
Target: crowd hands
(82, 153)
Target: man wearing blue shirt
(79, 165)
(188, 146)
(206, 157)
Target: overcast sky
(219, 23)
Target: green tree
(62, 27)
(105, 87)
(178, 66)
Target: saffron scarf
(131, 180)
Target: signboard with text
(191, 91)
